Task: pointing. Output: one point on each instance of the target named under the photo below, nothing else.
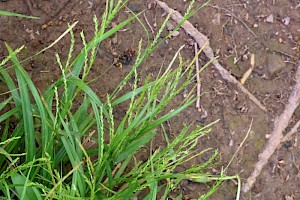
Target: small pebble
(230, 143)
(270, 19)
(114, 40)
(286, 20)
(185, 93)
(175, 34)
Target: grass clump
(45, 155)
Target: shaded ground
(269, 29)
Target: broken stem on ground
(249, 71)
(147, 22)
(198, 79)
(280, 124)
(203, 41)
(289, 135)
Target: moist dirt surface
(269, 29)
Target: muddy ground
(269, 29)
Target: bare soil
(269, 29)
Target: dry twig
(291, 133)
(202, 40)
(280, 124)
(198, 79)
(249, 71)
(149, 25)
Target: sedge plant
(45, 155)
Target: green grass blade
(11, 86)
(88, 91)
(26, 111)
(71, 146)
(27, 82)
(129, 94)
(8, 114)
(5, 102)
(99, 122)
(5, 130)
(11, 14)
(28, 120)
(59, 157)
(135, 145)
(167, 117)
(13, 146)
(20, 183)
(153, 184)
(82, 112)
(5, 189)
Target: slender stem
(198, 79)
